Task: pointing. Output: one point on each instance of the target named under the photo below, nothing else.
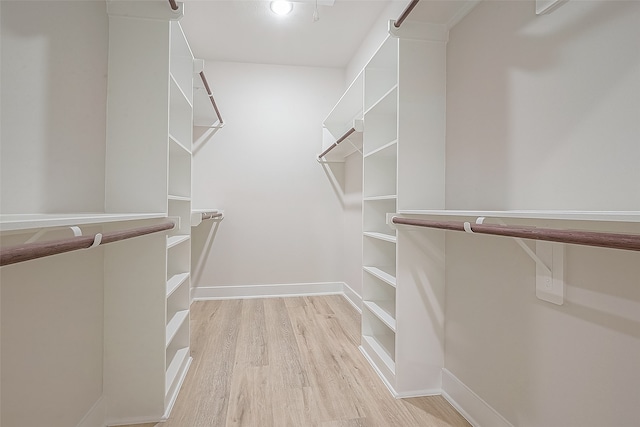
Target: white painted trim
(96, 416)
(266, 291)
(394, 393)
(378, 371)
(135, 421)
(178, 386)
(478, 412)
(352, 297)
(419, 393)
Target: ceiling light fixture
(281, 7)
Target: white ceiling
(247, 31)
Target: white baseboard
(418, 393)
(378, 371)
(96, 415)
(177, 388)
(266, 291)
(136, 421)
(353, 297)
(478, 412)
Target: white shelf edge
(381, 274)
(382, 148)
(176, 240)
(380, 198)
(613, 216)
(179, 198)
(381, 314)
(179, 144)
(15, 222)
(174, 368)
(352, 86)
(381, 99)
(174, 324)
(378, 348)
(381, 236)
(184, 95)
(212, 210)
(175, 281)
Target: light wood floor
(290, 362)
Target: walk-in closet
(319, 213)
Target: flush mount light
(281, 7)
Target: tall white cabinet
(403, 166)
(148, 168)
(400, 96)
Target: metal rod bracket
(550, 277)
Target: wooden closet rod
(28, 251)
(173, 4)
(406, 13)
(213, 101)
(338, 141)
(630, 242)
(211, 215)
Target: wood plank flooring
(290, 362)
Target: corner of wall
(96, 417)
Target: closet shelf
(387, 104)
(562, 215)
(387, 150)
(379, 198)
(16, 222)
(382, 310)
(177, 145)
(349, 106)
(179, 198)
(175, 367)
(387, 275)
(379, 344)
(184, 97)
(175, 282)
(381, 236)
(176, 240)
(174, 324)
(345, 145)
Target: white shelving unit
(346, 114)
(149, 127)
(403, 102)
(380, 194)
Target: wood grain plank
(325, 374)
(204, 398)
(290, 362)
(434, 411)
(284, 354)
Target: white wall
(535, 97)
(284, 222)
(542, 113)
(54, 62)
(52, 145)
(371, 43)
